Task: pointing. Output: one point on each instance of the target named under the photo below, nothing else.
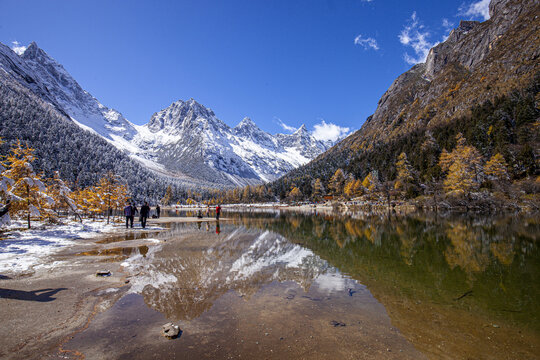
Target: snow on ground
(23, 249)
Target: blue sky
(313, 62)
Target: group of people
(218, 212)
(131, 210)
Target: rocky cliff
(478, 62)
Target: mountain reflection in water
(454, 287)
(184, 277)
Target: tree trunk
(108, 208)
(28, 203)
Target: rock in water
(103, 273)
(170, 331)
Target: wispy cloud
(416, 36)
(18, 48)
(328, 131)
(447, 25)
(284, 126)
(366, 43)
(478, 9)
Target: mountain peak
(302, 130)
(246, 122)
(33, 51)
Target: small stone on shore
(170, 331)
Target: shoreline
(55, 298)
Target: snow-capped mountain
(62, 89)
(188, 138)
(185, 140)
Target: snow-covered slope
(185, 140)
(76, 102)
(189, 138)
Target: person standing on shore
(145, 211)
(218, 212)
(128, 213)
(158, 211)
(134, 210)
(207, 210)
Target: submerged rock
(170, 331)
(335, 323)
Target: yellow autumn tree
(318, 190)
(121, 196)
(337, 182)
(107, 193)
(404, 172)
(167, 198)
(496, 168)
(463, 167)
(30, 194)
(358, 189)
(93, 200)
(295, 194)
(370, 182)
(349, 188)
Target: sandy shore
(44, 307)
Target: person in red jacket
(218, 212)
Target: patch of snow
(24, 249)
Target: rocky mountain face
(478, 63)
(186, 140)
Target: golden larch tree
(337, 182)
(318, 190)
(30, 194)
(496, 168)
(463, 167)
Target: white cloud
(328, 131)
(416, 36)
(447, 25)
(18, 48)
(366, 43)
(285, 126)
(479, 9)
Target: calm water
(285, 285)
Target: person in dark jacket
(145, 212)
(134, 209)
(158, 211)
(128, 213)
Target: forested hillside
(81, 157)
(508, 125)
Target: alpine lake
(285, 285)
